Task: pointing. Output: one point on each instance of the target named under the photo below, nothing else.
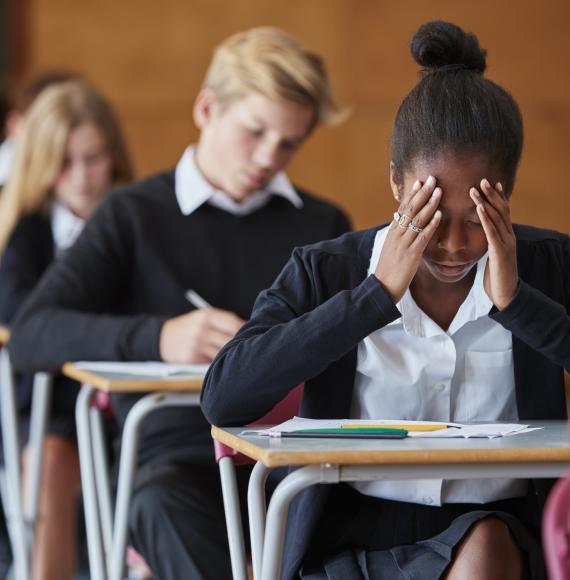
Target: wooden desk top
(123, 383)
(550, 444)
(4, 335)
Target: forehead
(87, 135)
(285, 115)
(455, 174)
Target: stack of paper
(414, 428)
(145, 369)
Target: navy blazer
(27, 256)
(29, 252)
(307, 326)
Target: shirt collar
(6, 159)
(415, 321)
(65, 227)
(192, 190)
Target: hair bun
(444, 46)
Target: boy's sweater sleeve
(66, 317)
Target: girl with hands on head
(448, 313)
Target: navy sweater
(307, 326)
(128, 272)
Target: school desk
(21, 516)
(537, 454)
(107, 536)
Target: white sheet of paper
(490, 430)
(146, 369)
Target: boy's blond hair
(272, 63)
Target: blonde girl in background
(71, 151)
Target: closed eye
(255, 132)
(290, 145)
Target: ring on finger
(415, 228)
(402, 219)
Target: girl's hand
(414, 225)
(501, 273)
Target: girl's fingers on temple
(419, 197)
(488, 215)
(425, 214)
(423, 238)
(408, 196)
(497, 199)
(489, 227)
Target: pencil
(405, 426)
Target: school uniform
(37, 240)
(312, 320)
(108, 298)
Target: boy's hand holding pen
(197, 336)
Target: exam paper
(460, 430)
(145, 369)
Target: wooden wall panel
(150, 57)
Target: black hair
(453, 109)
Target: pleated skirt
(365, 538)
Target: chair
(107, 528)
(556, 530)
(21, 516)
(227, 458)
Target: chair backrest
(556, 530)
(102, 401)
(285, 409)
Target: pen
(364, 429)
(348, 433)
(196, 300)
(406, 426)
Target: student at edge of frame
(70, 151)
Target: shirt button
(440, 387)
(428, 499)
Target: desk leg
(127, 466)
(103, 485)
(11, 443)
(277, 512)
(257, 512)
(97, 565)
(233, 518)
(41, 403)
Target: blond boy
(222, 224)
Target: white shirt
(192, 190)
(6, 160)
(65, 227)
(412, 369)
